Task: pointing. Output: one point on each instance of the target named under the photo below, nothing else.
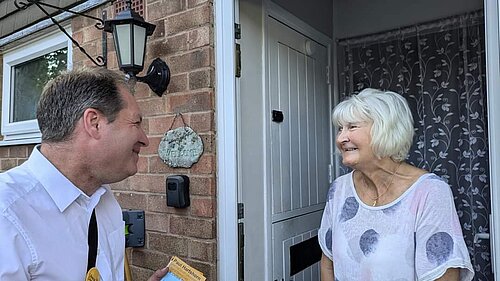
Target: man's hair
(392, 129)
(65, 98)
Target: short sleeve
(325, 230)
(439, 242)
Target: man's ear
(92, 119)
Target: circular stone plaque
(180, 147)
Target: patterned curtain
(439, 68)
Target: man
(91, 137)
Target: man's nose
(144, 140)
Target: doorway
(284, 132)
(254, 178)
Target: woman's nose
(342, 136)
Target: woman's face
(354, 143)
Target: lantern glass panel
(123, 44)
(139, 44)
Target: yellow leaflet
(184, 270)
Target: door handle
(483, 236)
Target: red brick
(158, 166)
(147, 183)
(152, 107)
(148, 259)
(202, 122)
(30, 149)
(202, 185)
(112, 62)
(18, 151)
(190, 61)
(159, 32)
(202, 207)
(200, 37)
(191, 102)
(178, 83)
(123, 185)
(6, 164)
(201, 79)
(168, 244)
(194, 3)
(78, 36)
(204, 251)
(142, 90)
(167, 46)
(157, 222)
(160, 9)
(143, 164)
(209, 270)
(205, 165)
(198, 228)
(129, 200)
(152, 148)
(157, 203)
(160, 125)
(90, 34)
(139, 273)
(189, 19)
(208, 143)
(4, 151)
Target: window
(26, 69)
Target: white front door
(299, 145)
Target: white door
(299, 142)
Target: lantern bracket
(157, 77)
(99, 60)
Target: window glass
(29, 80)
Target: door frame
(492, 27)
(225, 116)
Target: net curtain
(439, 67)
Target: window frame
(25, 132)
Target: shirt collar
(59, 188)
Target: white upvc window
(26, 69)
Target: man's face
(122, 141)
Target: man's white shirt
(44, 222)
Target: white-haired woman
(387, 220)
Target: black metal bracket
(99, 60)
(157, 77)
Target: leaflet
(181, 271)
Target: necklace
(391, 179)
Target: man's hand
(158, 275)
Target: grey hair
(65, 98)
(392, 122)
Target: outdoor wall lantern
(130, 32)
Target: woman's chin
(350, 164)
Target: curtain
(439, 68)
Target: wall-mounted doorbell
(178, 191)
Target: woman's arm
(327, 269)
(451, 274)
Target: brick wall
(184, 39)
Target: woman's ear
(91, 121)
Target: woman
(387, 220)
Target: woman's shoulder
(340, 183)
(433, 185)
